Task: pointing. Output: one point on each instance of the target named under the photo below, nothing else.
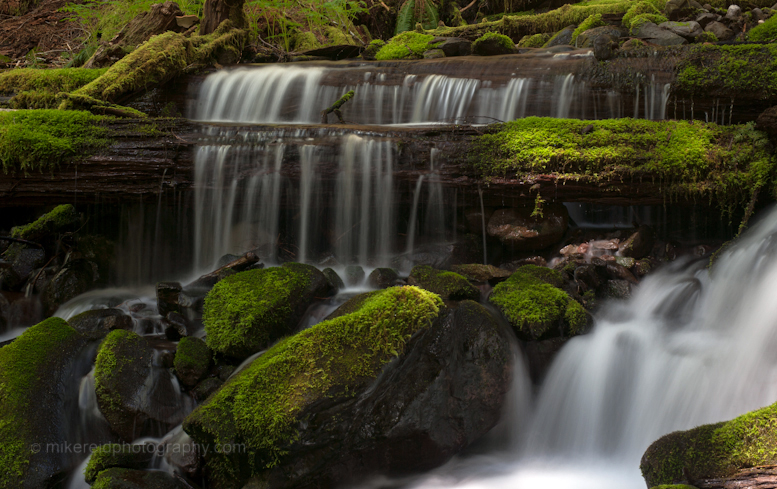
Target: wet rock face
(563, 37)
(23, 261)
(137, 397)
(639, 244)
(588, 38)
(720, 30)
(605, 47)
(656, 35)
(443, 256)
(380, 278)
(454, 46)
(689, 30)
(75, 278)
(98, 323)
(518, 229)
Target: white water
(687, 349)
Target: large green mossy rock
(713, 451)
(332, 361)
(62, 218)
(192, 360)
(38, 372)
(535, 305)
(448, 285)
(246, 312)
(112, 455)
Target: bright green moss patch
(594, 20)
(58, 219)
(109, 364)
(114, 455)
(38, 140)
(50, 81)
(407, 45)
(247, 311)
(713, 451)
(448, 285)
(691, 159)
(714, 70)
(639, 9)
(535, 305)
(535, 41)
(332, 359)
(192, 359)
(642, 19)
(22, 366)
(766, 32)
(495, 38)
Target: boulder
(516, 228)
(333, 278)
(605, 47)
(204, 389)
(96, 324)
(734, 13)
(354, 275)
(468, 249)
(47, 228)
(618, 289)
(23, 261)
(380, 278)
(37, 373)
(688, 30)
(650, 32)
(639, 244)
(167, 297)
(535, 305)
(73, 279)
(587, 38)
(476, 272)
(705, 18)
(454, 46)
(562, 37)
(248, 311)
(182, 453)
(118, 478)
(176, 326)
(448, 285)
(136, 397)
(397, 407)
(192, 360)
(493, 44)
(126, 456)
(680, 9)
(720, 30)
(434, 54)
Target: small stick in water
(336, 108)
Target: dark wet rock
(474, 218)
(476, 272)
(176, 326)
(535, 305)
(720, 30)
(100, 251)
(618, 289)
(689, 30)
(612, 33)
(192, 360)
(516, 228)
(118, 478)
(605, 48)
(23, 261)
(562, 37)
(588, 278)
(540, 356)
(223, 371)
(182, 453)
(37, 373)
(98, 323)
(193, 298)
(112, 455)
(516, 264)
(455, 46)
(443, 256)
(333, 278)
(448, 285)
(445, 389)
(47, 228)
(75, 278)
(650, 32)
(705, 19)
(434, 54)
(619, 272)
(204, 389)
(136, 398)
(247, 312)
(643, 267)
(380, 278)
(354, 275)
(639, 244)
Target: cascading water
(694, 345)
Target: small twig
(23, 241)
(35, 280)
(468, 6)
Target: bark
(217, 11)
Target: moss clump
(535, 41)
(642, 19)
(59, 219)
(706, 37)
(448, 285)
(408, 45)
(639, 9)
(592, 21)
(690, 159)
(23, 365)
(493, 38)
(50, 81)
(766, 32)
(192, 359)
(713, 451)
(247, 311)
(481, 273)
(712, 71)
(535, 305)
(306, 41)
(112, 357)
(332, 359)
(115, 455)
(38, 140)
(163, 57)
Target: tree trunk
(217, 11)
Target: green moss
(642, 19)
(58, 219)
(493, 37)
(713, 451)
(448, 285)
(50, 81)
(534, 304)
(689, 159)
(535, 41)
(248, 310)
(639, 9)
(306, 41)
(192, 359)
(332, 359)
(766, 32)
(407, 45)
(161, 58)
(479, 272)
(115, 455)
(109, 364)
(594, 20)
(22, 365)
(38, 140)
(706, 37)
(714, 70)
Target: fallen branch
(468, 6)
(23, 241)
(336, 108)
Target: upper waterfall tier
(457, 90)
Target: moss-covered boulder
(713, 451)
(119, 478)
(37, 374)
(477, 272)
(61, 219)
(97, 323)
(493, 44)
(73, 279)
(192, 360)
(246, 312)
(448, 285)
(396, 384)
(115, 455)
(535, 305)
(137, 397)
(407, 45)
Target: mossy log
(335, 107)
